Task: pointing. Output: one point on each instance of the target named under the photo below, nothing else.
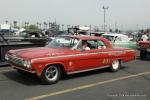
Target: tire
(143, 54)
(51, 74)
(115, 65)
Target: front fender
(39, 67)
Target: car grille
(15, 60)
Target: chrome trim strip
(129, 50)
(88, 70)
(30, 71)
(72, 55)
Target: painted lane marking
(85, 86)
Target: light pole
(62, 27)
(105, 8)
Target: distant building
(5, 27)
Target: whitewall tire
(115, 65)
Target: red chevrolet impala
(65, 54)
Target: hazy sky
(122, 13)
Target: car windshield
(63, 42)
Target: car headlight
(27, 63)
(6, 56)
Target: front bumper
(30, 71)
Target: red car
(65, 54)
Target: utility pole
(90, 28)
(62, 27)
(105, 8)
(116, 26)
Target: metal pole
(104, 19)
(105, 8)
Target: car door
(93, 58)
(119, 42)
(122, 41)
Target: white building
(5, 26)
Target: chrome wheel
(115, 65)
(51, 74)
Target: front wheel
(51, 74)
(115, 65)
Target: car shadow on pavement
(28, 79)
(84, 74)
(32, 79)
(89, 73)
(146, 59)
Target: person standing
(144, 37)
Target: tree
(147, 30)
(40, 25)
(50, 25)
(15, 24)
(45, 25)
(32, 28)
(6, 21)
(110, 30)
(26, 24)
(37, 24)
(62, 27)
(116, 30)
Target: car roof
(83, 37)
(98, 32)
(113, 34)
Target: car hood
(39, 52)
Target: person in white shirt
(85, 45)
(144, 37)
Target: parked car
(144, 49)
(23, 39)
(65, 54)
(121, 40)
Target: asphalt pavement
(131, 82)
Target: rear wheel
(51, 74)
(115, 65)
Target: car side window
(93, 44)
(115, 39)
(96, 44)
(119, 39)
(101, 44)
(79, 46)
